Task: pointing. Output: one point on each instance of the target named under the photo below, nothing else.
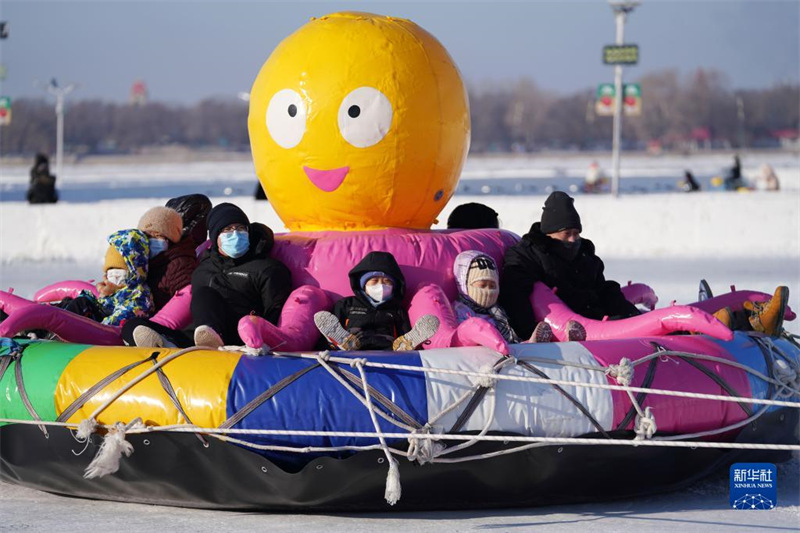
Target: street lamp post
(59, 93)
(621, 10)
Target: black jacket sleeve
(274, 285)
(516, 286)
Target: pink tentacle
(432, 300)
(295, 330)
(735, 301)
(68, 326)
(11, 303)
(639, 293)
(176, 313)
(63, 289)
(476, 331)
(548, 307)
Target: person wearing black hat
(554, 253)
(235, 277)
(473, 216)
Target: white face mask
(117, 276)
(379, 292)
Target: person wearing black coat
(236, 277)
(553, 253)
(42, 189)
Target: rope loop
(645, 425)
(788, 376)
(358, 362)
(623, 372)
(423, 450)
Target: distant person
(767, 180)
(689, 183)
(734, 180)
(42, 189)
(554, 253)
(595, 179)
(473, 216)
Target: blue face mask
(157, 246)
(234, 243)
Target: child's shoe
(332, 330)
(767, 317)
(145, 336)
(542, 333)
(423, 330)
(575, 331)
(725, 315)
(206, 337)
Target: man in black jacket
(554, 253)
(236, 277)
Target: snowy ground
(666, 239)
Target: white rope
(531, 379)
(443, 437)
(323, 359)
(112, 449)
(393, 489)
(623, 372)
(645, 425)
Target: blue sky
(186, 51)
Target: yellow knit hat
(113, 259)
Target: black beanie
(224, 215)
(559, 213)
(473, 216)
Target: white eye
(365, 117)
(286, 118)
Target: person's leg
(213, 320)
(144, 332)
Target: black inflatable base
(177, 470)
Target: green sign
(623, 54)
(5, 110)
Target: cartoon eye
(286, 118)
(365, 117)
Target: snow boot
(575, 331)
(336, 335)
(767, 317)
(206, 337)
(542, 333)
(423, 330)
(725, 315)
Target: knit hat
(113, 259)
(483, 268)
(559, 213)
(224, 215)
(163, 220)
(473, 216)
(374, 274)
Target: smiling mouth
(326, 180)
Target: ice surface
(668, 240)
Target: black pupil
(292, 110)
(354, 111)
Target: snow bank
(674, 226)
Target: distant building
(138, 93)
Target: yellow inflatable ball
(359, 121)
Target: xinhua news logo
(753, 486)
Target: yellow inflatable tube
(200, 380)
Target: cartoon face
(359, 121)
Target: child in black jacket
(374, 319)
